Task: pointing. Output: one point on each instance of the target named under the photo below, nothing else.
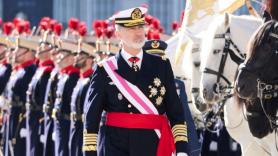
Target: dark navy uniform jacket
(16, 95)
(77, 102)
(104, 95)
(61, 113)
(34, 105)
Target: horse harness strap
(237, 59)
(267, 91)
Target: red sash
(166, 144)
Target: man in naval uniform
(66, 82)
(35, 99)
(158, 47)
(15, 93)
(84, 61)
(137, 90)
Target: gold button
(130, 113)
(129, 105)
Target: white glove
(181, 154)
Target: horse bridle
(237, 58)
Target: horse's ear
(226, 19)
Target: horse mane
(260, 37)
(218, 24)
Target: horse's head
(259, 71)
(222, 51)
(257, 80)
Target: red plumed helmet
(73, 23)
(8, 28)
(20, 27)
(155, 23)
(16, 21)
(175, 25)
(149, 19)
(155, 35)
(52, 24)
(82, 30)
(58, 28)
(98, 32)
(46, 19)
(82, 24)
(96, 24)
(104, 24)
(44, 25)
(109, 32)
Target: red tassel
(175, 25)
(58, 28)
(73, 23)
(8, 28)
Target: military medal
(157, 82)
(158, 100)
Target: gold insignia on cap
(136, 14)
(155, 44)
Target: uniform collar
(69, 70)
(87, 73)
(46, 63)
(24, 64)
(126, 56)
(4, 62)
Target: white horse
(223, 48)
